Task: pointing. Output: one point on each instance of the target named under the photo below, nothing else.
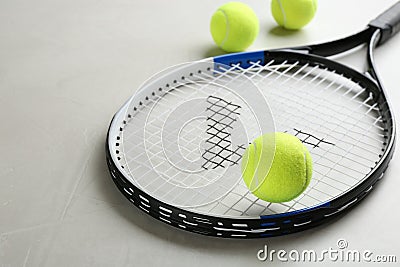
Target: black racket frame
(377, 32)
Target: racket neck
(338, 46)
(371, 71)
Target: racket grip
(388, 22)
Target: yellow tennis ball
(234, 27)
(293, 14)
(279, 176)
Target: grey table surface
(67, 66)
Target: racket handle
(388, 22)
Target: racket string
(337, 163)
(284, 75)
(347, 91)
(327, 102)
(321, 80)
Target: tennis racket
(174, 148)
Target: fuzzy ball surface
(234, 26)
(293, 14)
(280, 176)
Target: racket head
(341, 115)
(187, 130)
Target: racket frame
(279, 224)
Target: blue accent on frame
(266, 235)
(268, 224)
(243, 58)
(287, 221)
(325, 205)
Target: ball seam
(255, 176)
(227, 28)
(305, 167)
(282, 11)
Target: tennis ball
(293, 14)
(234, 27)
(280, 178)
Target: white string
(303, 96)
